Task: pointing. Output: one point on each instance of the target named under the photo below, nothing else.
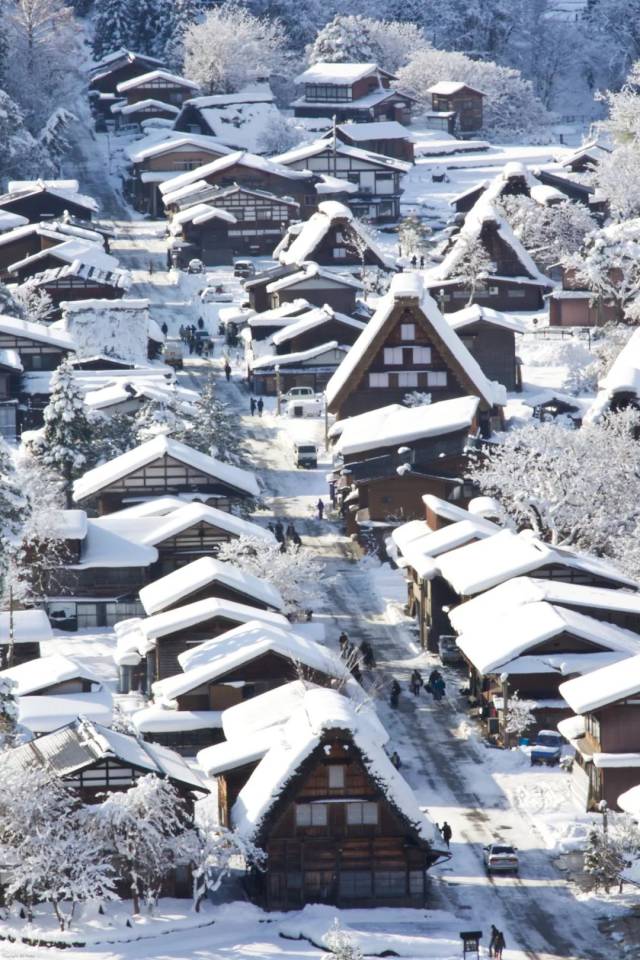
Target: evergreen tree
(215, 430)
(65, 443)
(177, 16)
(4, 45)
(8, 713)
(54, 137)
(13, 511)
(345, 40)
(146, 25)
(21, 155)
(113, 26)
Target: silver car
(501, 858)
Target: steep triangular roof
(306, 238)
(407, 291)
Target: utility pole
(278, 399)
(334, 147)
(504, 680)
(326, 422)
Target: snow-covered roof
(316, 228)
(200, 573)
(302, 356)
(242, 120)
(172, 79)
(107, 473)
(200, 213)
(68, 251)
(592, 150)
(142, 105)
(478, 314)
(446, 88)
(137, 636)
(152, 531)
(163, 719)
(623, 377)
(490, 642)
(445, 509)
(227, 653)
(323, 711)
(376, 130)
(9, 221)
(419, 550)
(104, 547)
(546, 195)
(309, 271)
(78, 269)
(397, 425)
(63, 189)
(239, 157)
(615, 682)
(46, 671)
(279, 315)
(42, 714)
(336, 73)
(237, 753)
(269, 709)
(520, 591)
(480, 566)
(29, 626)
(35, 331)
(629, 801)
(483, 212)
(318, 147)
(175, 142)
(310, 320)
(408, 286)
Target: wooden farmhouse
(133, 115)
(337, 821)
(47, 200)
(79, 280)
(154, 162)
(55, 690)
(206, 579)
(604, 732)
(160, 85)
(575, 189)
(31, 239)
(38, 347)
(490, 338)
(243, 120)
(30, 629)
(537, 646)
(149, 649)
(71, 250)
(234, 221)
(331, 237)
(386, 137)
(314, 327)
(317, 285)
(513, 282)
(160, 467)
(619, 389)
(277, 373)
(455, 108)
(586, 158)
(572, 304)
(350, 91)
(255, 173)
(408, 345)
(376, 178)
(119, 67)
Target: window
(515, 294)
(407, 331)
(311, 815)
(336, 776)
(422, 354)
(391, 883)
(383, 177)
(392, 355)
(378, 379)
(407, 379)
(436, 378)
(339, 253)
(416, 881)
(355, 883)
(358, 813)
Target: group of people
(435, 686)
(285, 537)
(201, 346)
(256, 405)
(496, 943)
(355, 658)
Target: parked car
(449, 650)
(298, 393)
(545, 749)
(244, 269)
(306, 454)
(501, 858)
(173, 354)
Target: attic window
(336, 777)
(311, 815)
(407, 331)
(362, 813)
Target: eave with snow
(408, 345)
(46, 199)
(350, 91)
(159, 467)
(386, 137)
(331, 237)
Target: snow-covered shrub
(549, 233)
(608, 263)
(281, 134)
(520, 716)
(295, 571)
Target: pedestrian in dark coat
(150, 267)
(492, 941)
(499, 946)
(343, 642)
(368, 658)
(320, 509)
(199, 347)
(260, 405)
(416, 682)
(291, 532)
(395, 760)
(200, 323)
(227, 370)
(279, 532)
(438, 688)
(422, 262)
(296, 539)
(165, 328)
(447, 833)
(169, 264)
(395, 693)
(253, 406)
(414, 261)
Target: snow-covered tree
(412, 233)
(548, 233)
(520, 716)
(178, 16)
(398, 39)
(158, 417)
(214, 429)
(510, 107)
(143, 828)
(603, 859)
(65, 441)
(345, 39)
(618, 174)
(54, 136)
(32, 302)
(295, 571)
(416, 399)
(20, 153)
(609, 264)
(8, 713)
(577, 488)
(9, 304)
(615, 35)
(474, 265)
(231, 48)
(112, 27)
(340, 944)
(281, 134)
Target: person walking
(227, 370)
(169, 263)
(150, 268)
(414, 261)
(499, 945)
(416, 682)
(260, 405)
(320, 509)
(395, 760)
(253, 406)
(290, 532)
(165, 328)
(447, 833)
(343, 642)
(296, 540)
(279, 532)
(492, 941)
(394, 696)
(422, 262)
(438, 688)
(368, 658)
